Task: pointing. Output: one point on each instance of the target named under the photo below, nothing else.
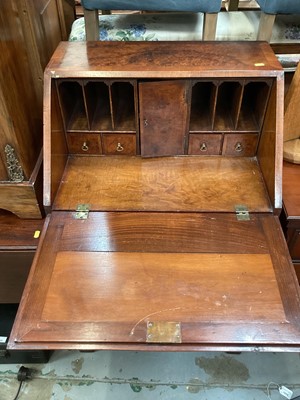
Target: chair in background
(269, 10)
(209, 8)
(240, 5)
(232, 5)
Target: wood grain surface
(101, 291)
(163, 184)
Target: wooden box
(162, 171)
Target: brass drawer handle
(203, 147)
(238, 147)
(120, 147)
(84, 147)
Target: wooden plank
(270, 148)
(143, 232)
(17, 233)
(291, 105)
(166, 286)
(234, 297)
(291, 189)
(162, 184)
(163, 60)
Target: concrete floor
(71, 375)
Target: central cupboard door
(163, 117)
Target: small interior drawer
(205, 144)
(119, 144)
(84, 143)
(243, 144)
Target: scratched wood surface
(100, 290)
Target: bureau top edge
(164, 60)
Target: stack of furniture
(30, 32)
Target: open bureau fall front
(162, 178)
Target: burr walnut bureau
(162, 178)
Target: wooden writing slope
(163, 165)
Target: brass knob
(84, 147)
(238, 147)
(120, 147)
(203, 147)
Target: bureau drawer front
(243, 144)
(119, 144)
(205, 144)
(84, 143)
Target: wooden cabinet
(291, 211)
(99, 116)
(170, 117)
(18, 243)
(163, 166)
(30, 31)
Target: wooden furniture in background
(162, 172)
(30, 31)
(18, 243)
(291, 146)
(291, 211)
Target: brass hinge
(82, 211)
(163, 332)
(242, 213)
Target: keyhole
(203, 147)
(238, 147)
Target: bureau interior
(164, 144)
